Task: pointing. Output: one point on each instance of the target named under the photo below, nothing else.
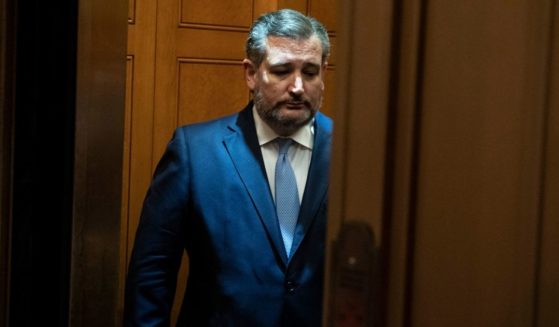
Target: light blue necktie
(287, 196)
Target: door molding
(100, 97)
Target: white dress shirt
(299, 154)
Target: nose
(296, 87)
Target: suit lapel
(317, 181)
(244, 150)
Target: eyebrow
(280, 64)
(288, 64)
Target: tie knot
(284, 144)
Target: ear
(323, 68)
(250, 73)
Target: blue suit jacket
(210, 196)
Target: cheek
(274, 89)
(316, 89)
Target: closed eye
(280, 72)
(311, 70)
(310, 73)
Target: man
(245, 195)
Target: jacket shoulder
(324, 122)
(207, 129)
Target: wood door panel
(299, 5)
(131, 11)
(236, 13)
(210, 44)
(131, 39)
(127, 142)
(332, 58)
(137, 169)
(329, 84)
(210, 89)
(325, 12)
(125, 196)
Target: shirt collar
(303, 136)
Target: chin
(298, 116)
(283, 120)
(302, 115)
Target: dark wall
(45, 84)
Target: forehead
(281, 50)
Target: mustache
(295, 101)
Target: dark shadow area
(43, 157)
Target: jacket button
(290, 286)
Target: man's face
(289, 83)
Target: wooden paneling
(332, 58)
(176, 42)
(329, 84)
(323, 11)
(125, 197)
(222, 13)
(261, 6)
(98, 149)
(299, 5)
(137, 169)
(127, 134)
(202, 97)
(141, 47)
(210, 44)
(131, 11)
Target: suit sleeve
(159, 242)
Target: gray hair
(284, 23)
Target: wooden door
(446, 147)
(185, 66)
